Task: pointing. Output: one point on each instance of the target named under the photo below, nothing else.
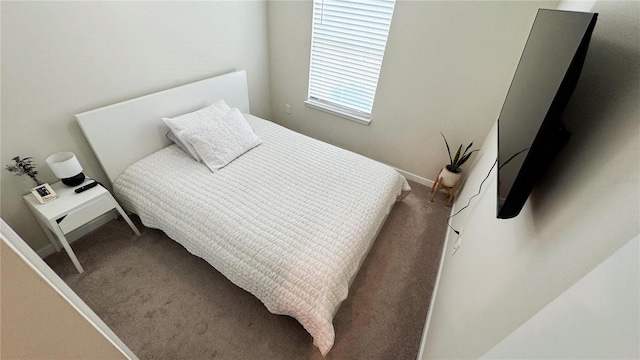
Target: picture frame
(44, 193)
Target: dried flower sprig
(24, 167)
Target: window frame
(323, 103)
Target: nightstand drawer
(81, 216)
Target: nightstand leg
(46, 230)
(52, 239)
(125, 216)
(67, 248)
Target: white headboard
(123, 133)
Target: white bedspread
(289, 221)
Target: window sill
(337, 112)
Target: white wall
(62, 58)
(587, 208)
(596, 318)
(447, 68)
(42, 318)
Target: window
(347, 46)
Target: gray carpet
(165, 303)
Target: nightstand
(70, 211)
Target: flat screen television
(530, 128)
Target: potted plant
(450, 174)
(24, 167)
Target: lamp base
(74, 180)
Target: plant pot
(449, 179)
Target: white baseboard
(78, 233)
(416, 178)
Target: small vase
(38, 182)
(449, 178)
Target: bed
(290, 220)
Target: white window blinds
(347, 47)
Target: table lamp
(66, 167)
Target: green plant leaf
(467, 149)
(457, 157)
(465, 158)
(448, 149)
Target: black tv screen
(530, 128)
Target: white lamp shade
(64, 164)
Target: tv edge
(530, 128)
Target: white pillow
(183, 122)
(171, 136)
(220, 140)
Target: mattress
(290, 221)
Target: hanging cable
(480, 188)
(471, 198)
